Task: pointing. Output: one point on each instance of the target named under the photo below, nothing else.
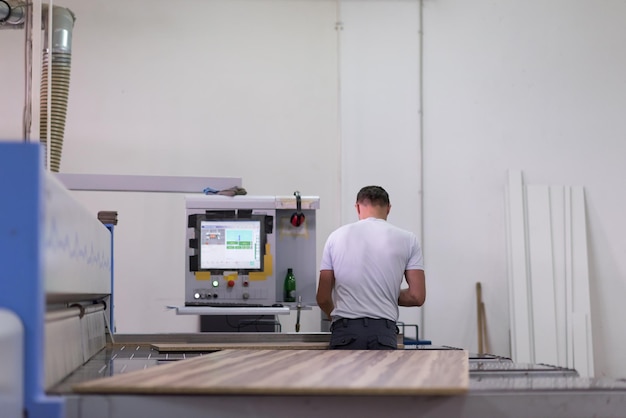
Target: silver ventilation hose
(62, 24)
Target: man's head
(372, 201)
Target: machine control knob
(196, 295)
(246, 296)
(231, 283)
(245, 283)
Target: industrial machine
(240, 248)
(56, 301)
(55, 284)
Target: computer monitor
(231, 244)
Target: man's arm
(325, 291)
(415, 295)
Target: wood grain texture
(194, 347)
(181, 347)
(299, 372)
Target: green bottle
(290, 286)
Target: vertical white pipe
(27, 114)
(339, 29)
(49, 99)
(35, 60)
(421, 141)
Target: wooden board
(278, 345)
(299, 372)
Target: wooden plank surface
(299, 372)
(278, 345)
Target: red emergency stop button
(231, 283)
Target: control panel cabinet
(238, 249)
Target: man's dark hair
(374, 195)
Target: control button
(246, 296)
(214, 295)
(215, 283)
(196, 295)
(231, 283)
(245, 283)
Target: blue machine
(55, 256)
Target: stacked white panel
(549, 275)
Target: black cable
(231, 325)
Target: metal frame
(133, 183)
(522, 404)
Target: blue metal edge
(22, 288)
(111, 228)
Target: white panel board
(521, 332)
(583, 348)
(568, 278)
(557, 213)
(543, 311)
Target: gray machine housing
(286, 246)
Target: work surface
(192, 347)
(299, 372)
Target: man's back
(361, 273)
(369, 258)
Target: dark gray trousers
(363, 334)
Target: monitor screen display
(233, 244)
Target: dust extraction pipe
(62, 24)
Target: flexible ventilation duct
(12, 14)
(60, 58)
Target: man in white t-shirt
(361, 274)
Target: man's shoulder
(402, 230)
(345, 227)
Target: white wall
(380, 111)
(211, 88)
(531, 85)
(238, 88)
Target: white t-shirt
(368, 259)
